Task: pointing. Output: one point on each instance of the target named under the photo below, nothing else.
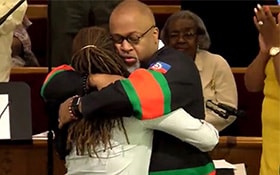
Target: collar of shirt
(198, 61)
(160, 44)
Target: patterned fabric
(54, 86)
(207, 169)
(142, 98)
(52, 74)
(27, 58)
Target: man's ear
(156, 33)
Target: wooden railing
(32, 159)
(240, 150)
(275, 9)
(40, 11)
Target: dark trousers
(67, 17)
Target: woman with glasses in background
(186, 32)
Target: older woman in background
(186, 32)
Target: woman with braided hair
(89, 58)
(112, 144)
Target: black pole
(50, 123)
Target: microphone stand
(224, 110)
(50, 122)
(4, 18)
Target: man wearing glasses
(168, 82)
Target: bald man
(167, 81)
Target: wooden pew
(240, 150)
(249, 102)
(40, 11)
(28, 159)
(32, 159)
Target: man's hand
(64, 113)
(102, 80)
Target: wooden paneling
(275, 9)
(40, 11)
(32, 159)
(240, 150)
(37, 11)
(27, 159)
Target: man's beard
(134, 67)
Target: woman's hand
(268, 27)
(64, 113)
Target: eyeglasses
(185, 35)
(132, 38)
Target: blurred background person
(263, 74)
(186, 32)
(22, 54)
(6, 34)
(68, 17)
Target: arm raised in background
(255, 72)
(15, 18)
(269, 37)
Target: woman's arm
(269, 29)
(276, 63)
(255, 75)
(182, 125)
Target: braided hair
(93, 52)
